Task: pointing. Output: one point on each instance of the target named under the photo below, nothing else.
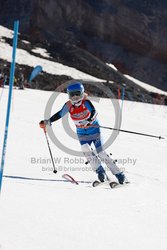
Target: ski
(96, 183)
(112, 184)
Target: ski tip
(113, 184)
(95, 183)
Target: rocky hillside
(49, 80)
(130, 34)
(88, 34)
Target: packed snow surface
(40, 211)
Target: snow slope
(48, 66)
(52, 67)
(147, 86)
(140, 83)
(42, 215)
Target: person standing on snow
(83, 114)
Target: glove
(43, 123)
(84, 123)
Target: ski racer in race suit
(84, 115)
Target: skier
(83, 114)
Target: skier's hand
(88, 122)
(84, 123)
(93, 118)
(43, 123)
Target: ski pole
(125, 131)
(132, 132)
(54, 169)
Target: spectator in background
(21, 81)
(1, 82)
(15, 82)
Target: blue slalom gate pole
(12, 70)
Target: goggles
(75, 93)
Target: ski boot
(120, 177)
(101, 173)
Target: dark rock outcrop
(130, 34)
